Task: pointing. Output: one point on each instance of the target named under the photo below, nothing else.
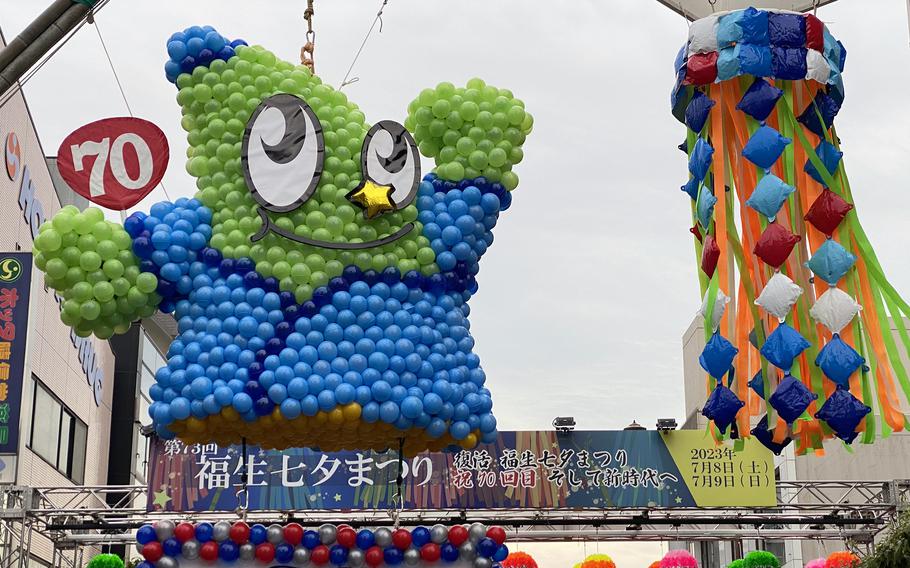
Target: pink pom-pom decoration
(817, 563)
(678, 559)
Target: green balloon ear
(470, 131)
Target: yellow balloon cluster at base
(337, 430)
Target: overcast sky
(591, 281)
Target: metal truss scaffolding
(849, 511)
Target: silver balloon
(302, 555)
(439, 534)
(274, 534)
(411, 557)
(164, 530)
(481, 562)
(477, 532)
(139, 547)
(221, 531)
(167, 562)
(467, 551)
(327, 533)
(190, 550)
(247, 551)
(383, 537)
(356, 558)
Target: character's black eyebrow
(267, 226)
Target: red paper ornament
(775, 245)
(827, 211)
(346, 537)
(710, 253)
(153, 551)
(697, 232)
(701, 69)
(430, 552)
(240, 532)
(293, 534)
(815, 35)
(498, 534)
(209, 551)
(265, 552)
(401, 539)
(184, 532)
(373, 556)
(458, 534)
(320, 555)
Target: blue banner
(15, 283)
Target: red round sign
(114, 162)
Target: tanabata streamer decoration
(809, 320)
(519, 560)
(760, 559)
(596, 561)
(842, 559)
(165, 545)
(678, 559)
(320, 286)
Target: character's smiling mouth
(268, 225)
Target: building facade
(887, 459)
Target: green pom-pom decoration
(105, 561)
(89, 261)
(736, 564)
(760, 559)
(471, 131)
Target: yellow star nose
(373, 198)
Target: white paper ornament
(720, 305)
(835, 309)
(779, 295)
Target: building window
(151, 361)
(710, 554)
(57, 435)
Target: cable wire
(113, 70)
(378, 19)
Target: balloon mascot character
(798, 310)
(320, 285)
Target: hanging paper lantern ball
(678, 559)
(598, 561)
(843, 559)
(817, 563)
(761, 559)
(105, 561)
(519, 560)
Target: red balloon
(498, 534)
(265, 552)
(184, 532)
(458, 534)
(320, 555)
(293, 534)
(346, 537)
(240, 532)
(209, 551)
(374, 556)
(401, 539)
(153, 551)
(430, 552)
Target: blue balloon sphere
(284, 552)
(449, 552)
(392, 556)
(204, 532)
(258, 534)
(365, 539)
(420, 536)
(229, 551)
(146, 534)
(172, 547)
(487, 547)
(501, 553)
(311, 539)
(338, 555)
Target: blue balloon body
(284, 552)
(204, 532)
(420, 536)
(487, 547)
(449, 552)
(146, 534)
(501, 553)
(365, 539)
(171, 546)
(228, 551)
(392, 556)
(258, 534)
(311, 539)
(338, 555)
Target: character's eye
(389, 157)
(282, 153)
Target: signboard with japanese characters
(521, 470)
(15, 282)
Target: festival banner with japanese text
(15, 283)
(521, 470)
